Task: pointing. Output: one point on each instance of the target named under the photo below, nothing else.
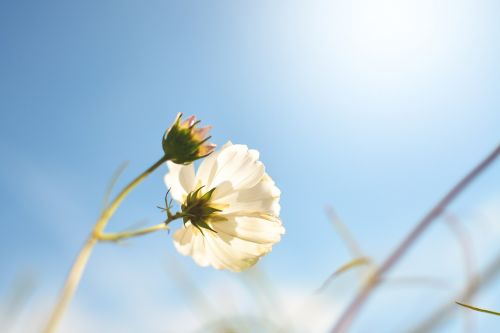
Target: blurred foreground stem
(355, 306)
(96, 235)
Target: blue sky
(374, 107)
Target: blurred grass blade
(428, 281)
(16, 300)
(467, 247)
(114, 179)
(478, 309)
(344, 233)
(344, 268)
(264, 291)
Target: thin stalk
(475, 308)
(110, 210)
(81, 260)
(355, 306)
(71, 284)
(118, 236)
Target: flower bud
(184, 143)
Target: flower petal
(263, 197)
(220, 250)
(183, 240)
(250, 229)
(190, 242)
(200, 253)
(237, 165)
(180, 179)
(229, 256)
(207, 168)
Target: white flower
(233, 208)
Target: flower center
(197, 209)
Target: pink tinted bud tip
(207, 149)
(189, 122)
(201, 133)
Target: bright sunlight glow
(390, 29)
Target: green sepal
(197, 210)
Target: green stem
(110, 210)
(118, 236)
(81, 260)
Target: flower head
(230, 207)
(184, 143)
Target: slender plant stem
(478, 309)
(118, 236)
(355, 306)
(81, 260)
(71, 284)
(110, 210)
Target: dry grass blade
(479, 309)
(345, 268)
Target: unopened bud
(184, 143)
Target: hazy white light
(391, 29)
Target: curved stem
(110, 210)
(71, 284)
(80, 262)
